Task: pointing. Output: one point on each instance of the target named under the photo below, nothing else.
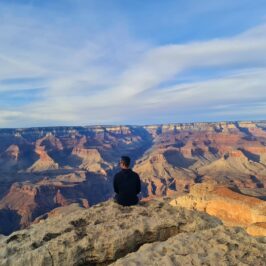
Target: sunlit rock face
(44, 168)
(227, 153)
(257, 229)
(91, 160)
(231, 207)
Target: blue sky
(81, 62)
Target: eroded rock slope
(44, 168)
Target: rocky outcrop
(45, 162)
(235, 167)
(257, 229)
(234, 161)
(12, 152)
(17, 156)
(59, 212)
(99, 235)
(231, 207)
(151, 233)
(91, 160)
(9, 159)
(217, 246)
(26, 201)
(50, 142)
(163, 173)
(23, 200)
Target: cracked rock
(99, 235)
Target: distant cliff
(45, 168)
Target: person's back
(126, 184)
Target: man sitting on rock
(126, 184)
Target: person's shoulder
(118, 174)
(134, 173)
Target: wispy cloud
(109, 76)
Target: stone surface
(231, 207)
(45, 162)
(164, 172)
(98, 235)
(92, 160)
(257, 229)
(219, 246)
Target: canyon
(42, 169)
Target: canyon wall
(44, 168)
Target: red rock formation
(257, 229)
(60, 199)
(257, 132)
(12, 152)
(162, 178)
(92, 160)
(32, 200)
(50, 142)
(45, 162)
(80, 161)
(231, 207)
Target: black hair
(125, 160)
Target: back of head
(125, 160)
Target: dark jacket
(127, 186)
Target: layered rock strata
(231, 207)
(169, 158)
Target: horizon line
(134, 125)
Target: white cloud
(110, 77)
(245, 88)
